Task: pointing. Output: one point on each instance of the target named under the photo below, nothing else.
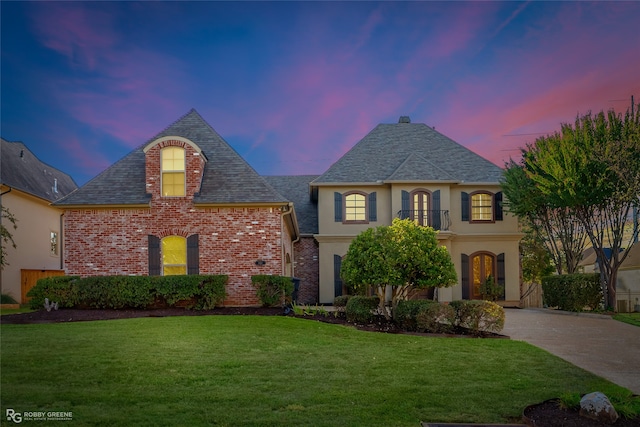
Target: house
(27, 189)
(185, 202)
(409, 170)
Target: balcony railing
(437, 219)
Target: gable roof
(297, 190)
(227, 177)
(409, 152)
(22, 170)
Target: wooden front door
(482, 266)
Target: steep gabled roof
(297, 190)
(22, 170)
(409, 152)
(227, 177)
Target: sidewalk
(596, 343)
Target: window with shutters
(173, 171)
(482, 206)
(420, 207)
(476, 269)
(174, 255)
(355, 207)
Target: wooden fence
(29, 278)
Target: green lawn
(272, 371)
(631, 318)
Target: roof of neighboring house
(589, 256)
(227, 177)
(409, 152)
(22, 170)
(297, 190)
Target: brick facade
(307, 269)
(114, 241)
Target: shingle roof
(227, 177)
(409, 152)
(22, 170)
(297, 190)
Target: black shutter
(501, 274)
(497, 203)
(193, 255)
(337, 280)
(464, 205)
(337, 204)
(436, 220)
(373, 209)
(154, 255)
(466, 286)
(406, 206)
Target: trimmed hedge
(478, 316)
(273, 290)
(572, 292)
(406, 312)
(360, 308)
(201, 292)
(436, 318)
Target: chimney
(404, 119)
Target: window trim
(366, 207)
(493, 208)
(173, 171)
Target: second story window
(173, 172)
(355, 207)
(482, 207)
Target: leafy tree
(592, 168)
(553, 225)
(403, 257)
(6, 238)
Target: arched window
(355, 207)
(173, 171)
(174, 255)
(482, 206)
(420, 207)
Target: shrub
(436, 318)
(360, 308)
(572, 292)
(201, 291)
(60, 289)
(341, 301)
(490, 290)
(478, 316)
(273, 290)
(7, 299)
(406, 312)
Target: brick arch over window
(192, 254)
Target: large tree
(403, 257)
(6, 238)
(592, 168)
(552, 223)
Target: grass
(264, 371)
(631, 318)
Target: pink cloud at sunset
(293, 85)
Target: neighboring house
(409, 170)
(183, 203)
(27, 188)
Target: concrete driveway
(596, 343)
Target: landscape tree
(6, 238)
(592, 168)
(553, 225)
(403, 257)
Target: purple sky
(292, 86)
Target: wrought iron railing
(437, 219)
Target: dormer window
(173, 171)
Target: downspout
(289, 211)
(62, 238)
(2, 194)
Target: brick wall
(231, 239)
(307, 269)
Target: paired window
(355, 207)
(173, 171)
(481, 206)
(479, 267)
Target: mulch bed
(545, 414)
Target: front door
(482, 266)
